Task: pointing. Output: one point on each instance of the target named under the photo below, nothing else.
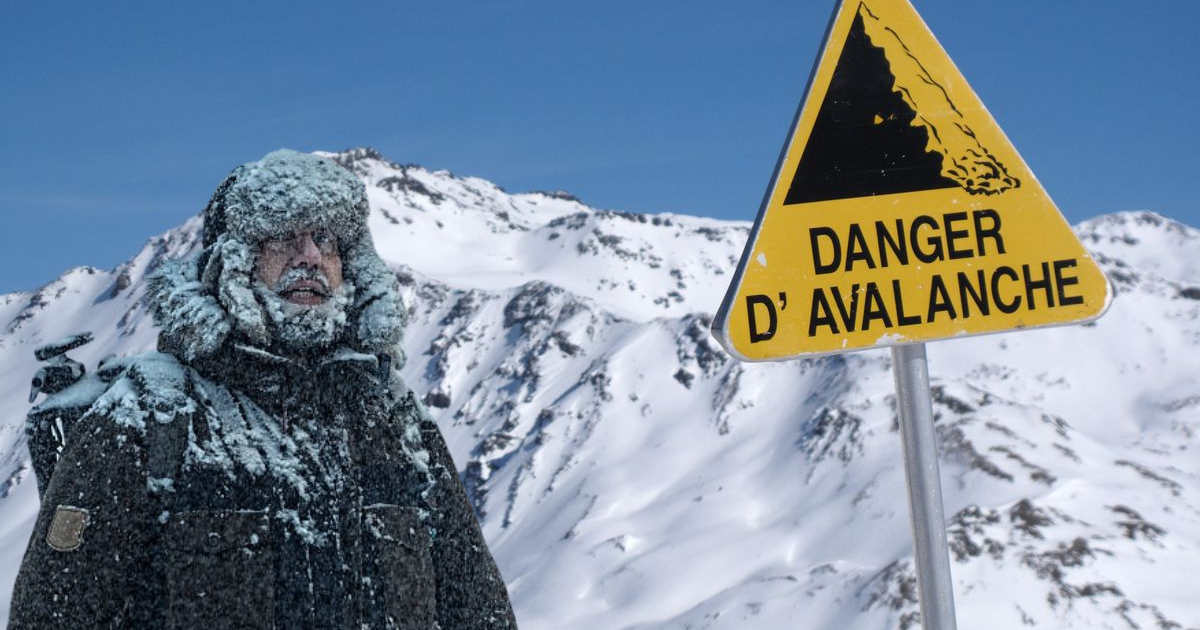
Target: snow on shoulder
(151, 386)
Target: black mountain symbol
(864, 142)
(869, 137)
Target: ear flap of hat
(192, 320)
(236, 292)
(378, 315)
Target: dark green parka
(288, 496)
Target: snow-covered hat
(201, 300)
(284, 192)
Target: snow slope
(630, 475)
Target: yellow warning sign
(899, 211)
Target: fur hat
(203, 300)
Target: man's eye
(324, 241)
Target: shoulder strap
(166, 443)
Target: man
(267, 468)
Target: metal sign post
(931, 554)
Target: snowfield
(630, 475)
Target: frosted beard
(301, 329)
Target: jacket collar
(272, 379)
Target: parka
(203, 519)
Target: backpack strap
(49, 424)
(170, 395)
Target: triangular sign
(899, 211)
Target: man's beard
(297, 328)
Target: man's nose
(307, 253)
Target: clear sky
(120, 118)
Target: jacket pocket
(398, 570)
(219, 568)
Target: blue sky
(120, 118)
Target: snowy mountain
(630, 475)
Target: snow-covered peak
(413, 186)
(471, 233)
(1140, 239)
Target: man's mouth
(306, 292)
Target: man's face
(292, 266)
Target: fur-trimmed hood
(207, 300)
